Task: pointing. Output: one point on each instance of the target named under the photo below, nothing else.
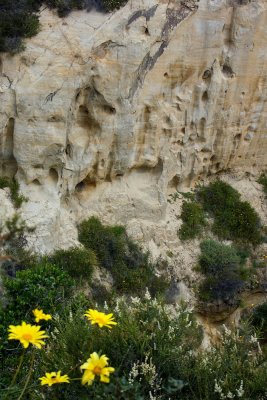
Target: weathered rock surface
(108, 114)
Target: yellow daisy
(39, 315)
(99, 318)
(27, 334)
(96, 365)
(51, 378)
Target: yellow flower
(51, 378)
(96, 365)
(27, 334)
(97, 317)
(39, 314)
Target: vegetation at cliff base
(233, 219)
(20, 19)
(193, 218)
(263, 181)
(57, 342)
(224, 270)
(78, 262)
(129, 266)
(153, 354)
(259, 319)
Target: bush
(110, 5)
(108, 243)
(116, 252)
(225, 275)
(239, 223)
(135, 340)
(259, 318)
(216, 257)
(233, 219)
(156, 354)
(45, 286)
(13, 185)
(193, 220)
(19, 19)
(263, 181)
(218, 196)
(77, 262)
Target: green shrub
(108, 243)
(13, 185)
(136, 339)
(227, 371)
(17, 21)
(225, 275)
(155, 353)
(77, 262)
(193, 220)
(216, 257)
(263, 181)
(259, 318)
(116, 252)
(64, 7)
(110, 5)
(20, 19)
(218, 196)
(233, 219)
(45, 286)
(239, 223)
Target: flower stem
(28, 377)
(16, 373)
(18, 368)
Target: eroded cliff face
(108, 114)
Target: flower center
(97, 370)
(27, 336)
(101, 320)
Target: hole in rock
(88, 182)
(238, 136)
(53, 175)
(109, 109)
(80, 186)
(227, 71)
(205, 96)
(173, 184)
(147, 32)
(206, 74)
(69, 150)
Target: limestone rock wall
(108, 114)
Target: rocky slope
(108, 114)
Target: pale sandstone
(108, 114)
